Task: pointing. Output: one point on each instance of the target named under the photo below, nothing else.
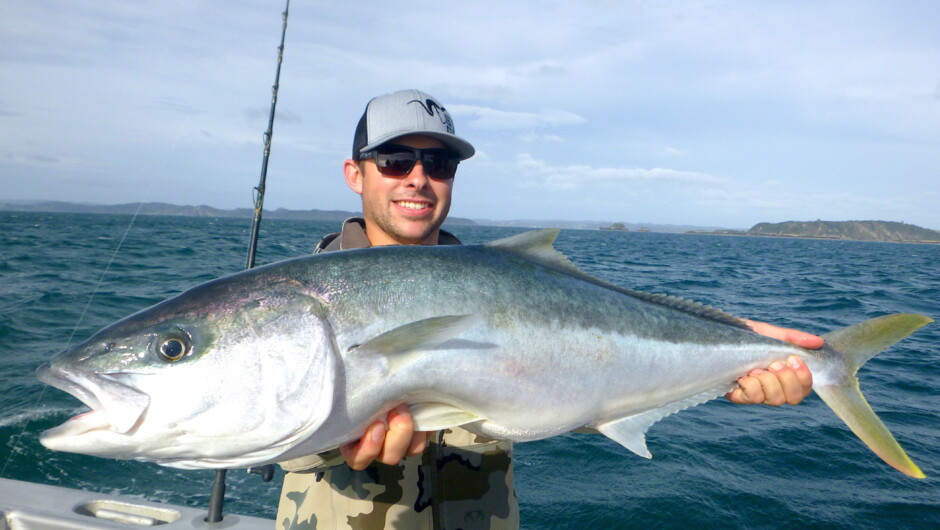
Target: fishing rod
(259, 189)
(217, 496)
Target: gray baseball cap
(402, 113)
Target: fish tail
(856, 345)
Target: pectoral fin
(398, 345)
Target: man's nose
(417, 177)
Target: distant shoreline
(158, 208)
(876, 231)
(742, 233)
(780, 236)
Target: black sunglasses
(399, 160)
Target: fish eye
(174, 348)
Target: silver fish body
(508, 339)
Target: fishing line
(81, 317)
(217, 495)
(101, 277)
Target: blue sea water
(63, 276)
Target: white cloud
(673, 152)
(576, 176)
(489, 118)
(531, 137)
(829, 97)
(772, 204)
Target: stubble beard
(403, 230)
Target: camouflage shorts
(463, 481)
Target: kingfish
(507, 339)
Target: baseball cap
(402, 113)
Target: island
(889, 231)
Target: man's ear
(353, 175)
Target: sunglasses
(399, 160)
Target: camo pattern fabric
(462, 481)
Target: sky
(719, 113)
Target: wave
(24, 417)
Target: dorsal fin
(536, 245)
(687, 306)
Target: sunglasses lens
(396, 164)
(438, 164)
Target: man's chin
(412, 233)
(423, 239)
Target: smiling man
(404, 160)
(408, 209)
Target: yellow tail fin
(854, 346)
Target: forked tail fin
(840, 390)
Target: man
(405, 155)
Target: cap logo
(429, 106)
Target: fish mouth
(114, 406)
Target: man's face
(404, 210)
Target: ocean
(64, 276)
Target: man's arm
(780, 383)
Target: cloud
(492, 119)
(545, 68)
(769, 202)
(651, 101)
(575, 176)
(34, 159)
(678, 153)
(531, 137)
(281, 117)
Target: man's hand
(780, 383)
(386, 444)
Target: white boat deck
(25, 505)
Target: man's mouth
(412, 205)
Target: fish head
(229, 374)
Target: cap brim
(453, 142)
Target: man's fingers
(749, 390)
(802, 373)
(387, 444)
(793, 336)
(803, 339)
(771, 387)
(781, 383)
(400, 435)
(790, 386)
(360, 454)
(419, 442)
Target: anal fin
(630, 431)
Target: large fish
(509, 339)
